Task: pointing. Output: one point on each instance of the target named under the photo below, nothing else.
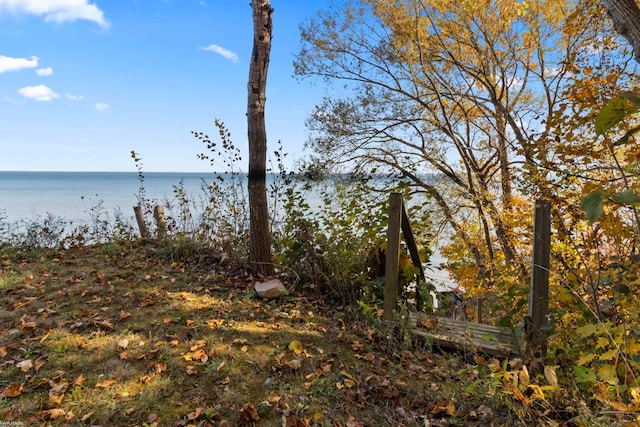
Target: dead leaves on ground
(152, 330)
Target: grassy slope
(116, 335)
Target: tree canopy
(494, 98)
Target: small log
(142, 226)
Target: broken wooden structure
(464, 335)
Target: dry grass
(116, 335)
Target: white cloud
(222, 51)
(74, 97)
(56, 10)
(39, 93)
(44, 71)
(16, 64)
(101, 107)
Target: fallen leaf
(296, 347)
(106, 383)
(39, 362)
(25, 365)
(27, 325)
(357, 346)
(56, 393)
(349, 383)
(448, 408)
(249, 412)
(160, 367)
(147, 378)
(3, 351)
(52, 414)
(198, 345)
(123, 344)
(80, 380)
(619, 406)
(13, 390)
(214, 323)
(104, 324)
(550, 375)
(129, 411)
(481, 361)
(86, 416)
(195, 414)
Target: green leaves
(633, 98)
(614, 112)
(627, 197)
(584, 375)
(592, 205)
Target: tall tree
(625, 15)
(260, 243)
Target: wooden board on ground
(466, 336)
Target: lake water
(71, 195)
(26, 196)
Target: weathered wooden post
(161, 222)
(144, 232)
(539, 293)
(479, 308)
(392, 258)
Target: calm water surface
(71, 195)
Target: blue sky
(82, 83)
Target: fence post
(392, 258)
(479, 308)
(161, 222)
(539, 293)
(144, 232)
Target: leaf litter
(87, 336)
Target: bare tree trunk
(625, 15)
(260, 244)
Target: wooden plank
(539, 293)
(466, 336)
(392, 260)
